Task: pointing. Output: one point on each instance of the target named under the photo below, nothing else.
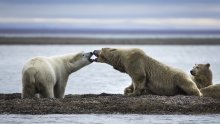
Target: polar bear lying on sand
(47, 76)
(202, 76)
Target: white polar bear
(47, 76)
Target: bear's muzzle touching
(96, 53)
(88, 56)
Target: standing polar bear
(147, 73)
(48, 75)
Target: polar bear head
(105, 55)
(201, 70)
(202, 75)
(110, 56)
(78, 60)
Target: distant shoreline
(94, 40)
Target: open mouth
(96, 53)
(91, 60)
(90, 57)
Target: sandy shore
(109, 104)
(63, 40)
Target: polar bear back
(38, 75)
(44, 70)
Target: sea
(102, 78)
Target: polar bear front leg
(59, 88)
(129, 89)
(59, 91)
(138, 85)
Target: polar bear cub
(202, 76)
(47, 76)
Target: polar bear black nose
(192, 73)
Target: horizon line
(115, 21)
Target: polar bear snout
(192, 73)
(88, 56)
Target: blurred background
(179, 33)
(110, 18)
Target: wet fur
(148, 74)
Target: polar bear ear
(195, 65)
(103, 49)
(112, 50)
(81, 53)
(207, 65)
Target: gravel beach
(109, 104)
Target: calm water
(110, 119)
(98, 78)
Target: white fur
(48, 75)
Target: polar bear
(47, 76)
(147, 73)
(202, 76)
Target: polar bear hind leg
(47, 92)
(28, 91)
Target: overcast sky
(113, 13)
